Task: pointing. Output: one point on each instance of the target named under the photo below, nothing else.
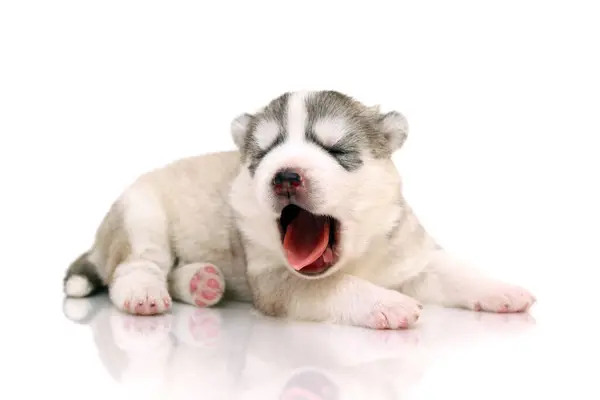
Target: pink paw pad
(148, 306)
(139, 308)
(381, 321)
(211, 270)
(207, 286)
(208, 295)
(213, 284)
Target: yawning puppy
(306, 220)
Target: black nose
(287, 177)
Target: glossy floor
(235, 353)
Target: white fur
(297, 117)
(453, 283)
(358, 302)
(146, 225)
(141, 280)
(266, 132)
(77, 286)
(330, 130)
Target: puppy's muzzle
(291, 186)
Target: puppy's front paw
(140, 292)
(394, 310)
(501, 297)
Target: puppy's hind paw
(207, 286)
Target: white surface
(501, 164)
(233, 353)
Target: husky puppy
(306, 220)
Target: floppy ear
(239, 129)
(395, 127)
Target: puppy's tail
(82, 278)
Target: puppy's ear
(395, 128)
(239, 129)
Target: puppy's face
(320, 165)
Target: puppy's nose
(286, 181)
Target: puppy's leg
(139, 283)
(340, 298)
(450, 283)
(201, 284)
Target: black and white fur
(220, 209)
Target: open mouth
(310, 241)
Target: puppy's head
(320, 166)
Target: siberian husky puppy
(306, 220)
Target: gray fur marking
(275, 111)
(329, 104)
(365, 131)
(82, 266)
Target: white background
(501, 163)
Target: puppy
(306, 220)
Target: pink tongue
(306, 240)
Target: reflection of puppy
(233, 353)
(230, 353)
(180, 355)
(322, 361)
(310, 385)
(307, 220)
(132, 349)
